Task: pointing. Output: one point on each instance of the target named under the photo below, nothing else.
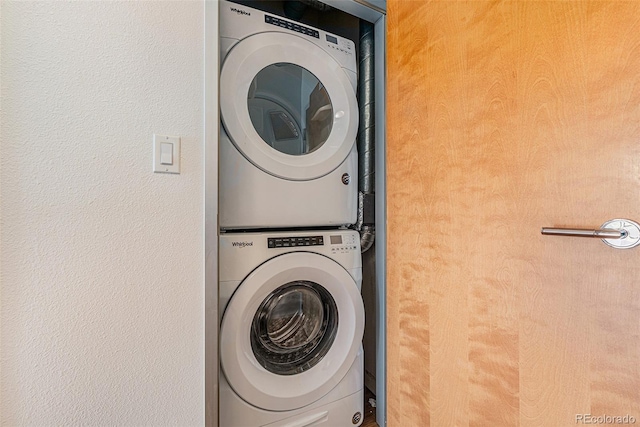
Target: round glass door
(294, 328)
(290, 109)
(288, 106)
(285, 343)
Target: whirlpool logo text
(240, 11)
(242, 244)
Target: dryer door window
(294, 328)
(292, 94)
(290, 109)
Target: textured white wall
(101, 260)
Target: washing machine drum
(291, 331)
(287, 106)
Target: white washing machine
(291, 329)
(289, 122)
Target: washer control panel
(288, 242)
(341, 243)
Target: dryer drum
(294, 327)
(290, 109)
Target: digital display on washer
(336, 240)
(288, 242)
(332, 39)
(291, 26)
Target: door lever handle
(603, 233)
(617, 233)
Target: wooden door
(504, 117)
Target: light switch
(166, 154)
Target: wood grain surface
(504, 117)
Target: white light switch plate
(158, 142)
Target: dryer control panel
(291, 26)
(238, 22)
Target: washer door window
(287, 106)
(291, 331)
(294, 328)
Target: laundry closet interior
(300, 213)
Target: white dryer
(289, 122)
(291, 329)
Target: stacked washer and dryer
(292, 317)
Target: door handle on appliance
(617, 233)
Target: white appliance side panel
(226, 44)
(353, 78)
(252, 198)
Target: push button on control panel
(289, 242)
(291, 26)
(343, 244)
